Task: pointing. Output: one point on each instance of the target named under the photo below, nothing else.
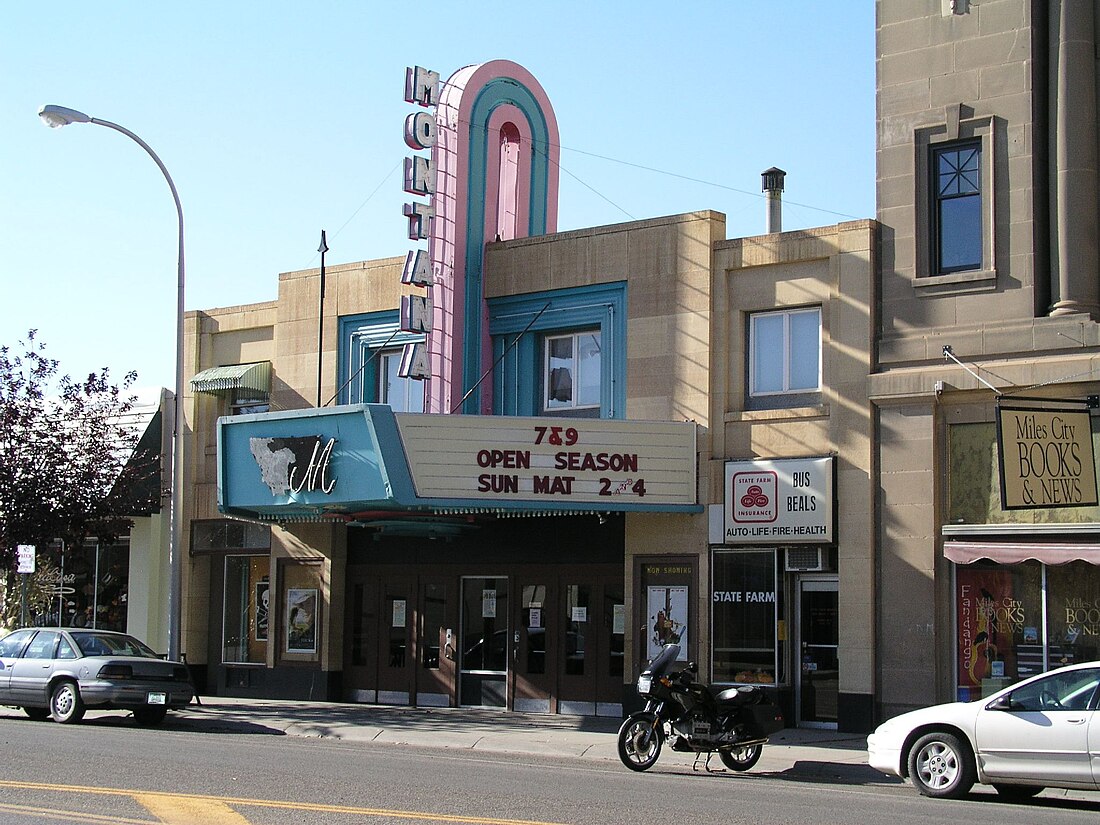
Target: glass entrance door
(485, 649)
(818, 635)
(435, 668)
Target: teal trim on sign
(364, 471)
(365, 468)
(496, 93)
(517, 379)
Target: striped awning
(255, 377)
(1005, 552)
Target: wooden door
(396, 656)
(361, 637)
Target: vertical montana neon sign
(492, 175)
(421, 88)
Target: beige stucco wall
(350, 289)
(666, 265)
(831, 267)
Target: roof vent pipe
(771, 182)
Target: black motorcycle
(735, 722)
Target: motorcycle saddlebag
(762, 719)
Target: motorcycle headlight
(644, 684)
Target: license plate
(157, 698)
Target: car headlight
(644, 684)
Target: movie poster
(301, 620)
(989, 617)
(668, 611)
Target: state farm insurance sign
(786, 501)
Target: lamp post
(55, 117)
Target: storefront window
(1002, 634)
(1073, 613)
(246, 610)
(223, 534)
(744, 616)
(87, 586)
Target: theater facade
(503, 469)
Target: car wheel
(66, 706)
(1017, 792)
(148, 717)
(940, 766)
(37, 714)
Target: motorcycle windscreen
(664, 660)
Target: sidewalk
(807, 753)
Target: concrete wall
(666, 263)
(1020, 76)
(944, 76)
(831, 267)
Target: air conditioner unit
(806, 559)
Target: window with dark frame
(957, 207)
(246, 400)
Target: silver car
(61, 672)
(1043, 732)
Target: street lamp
(55, 117)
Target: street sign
(26, 558)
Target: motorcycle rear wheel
(741, 759)
(640, 740)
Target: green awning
(255, 377)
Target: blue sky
(279, 119)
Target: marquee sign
(788, 501)
(592, 461)
(1046, 457)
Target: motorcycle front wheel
(640, 740)
(741, 759)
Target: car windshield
(111, 644)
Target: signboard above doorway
(1046, 455)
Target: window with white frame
(572, 371)
(402, 394)
(785, 352)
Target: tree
(67, 464)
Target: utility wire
(538, 146)
(343, 226)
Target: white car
(1042, 732)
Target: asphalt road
(109, 771)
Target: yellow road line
(174, 810)
(70, 816)
(273, 803)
